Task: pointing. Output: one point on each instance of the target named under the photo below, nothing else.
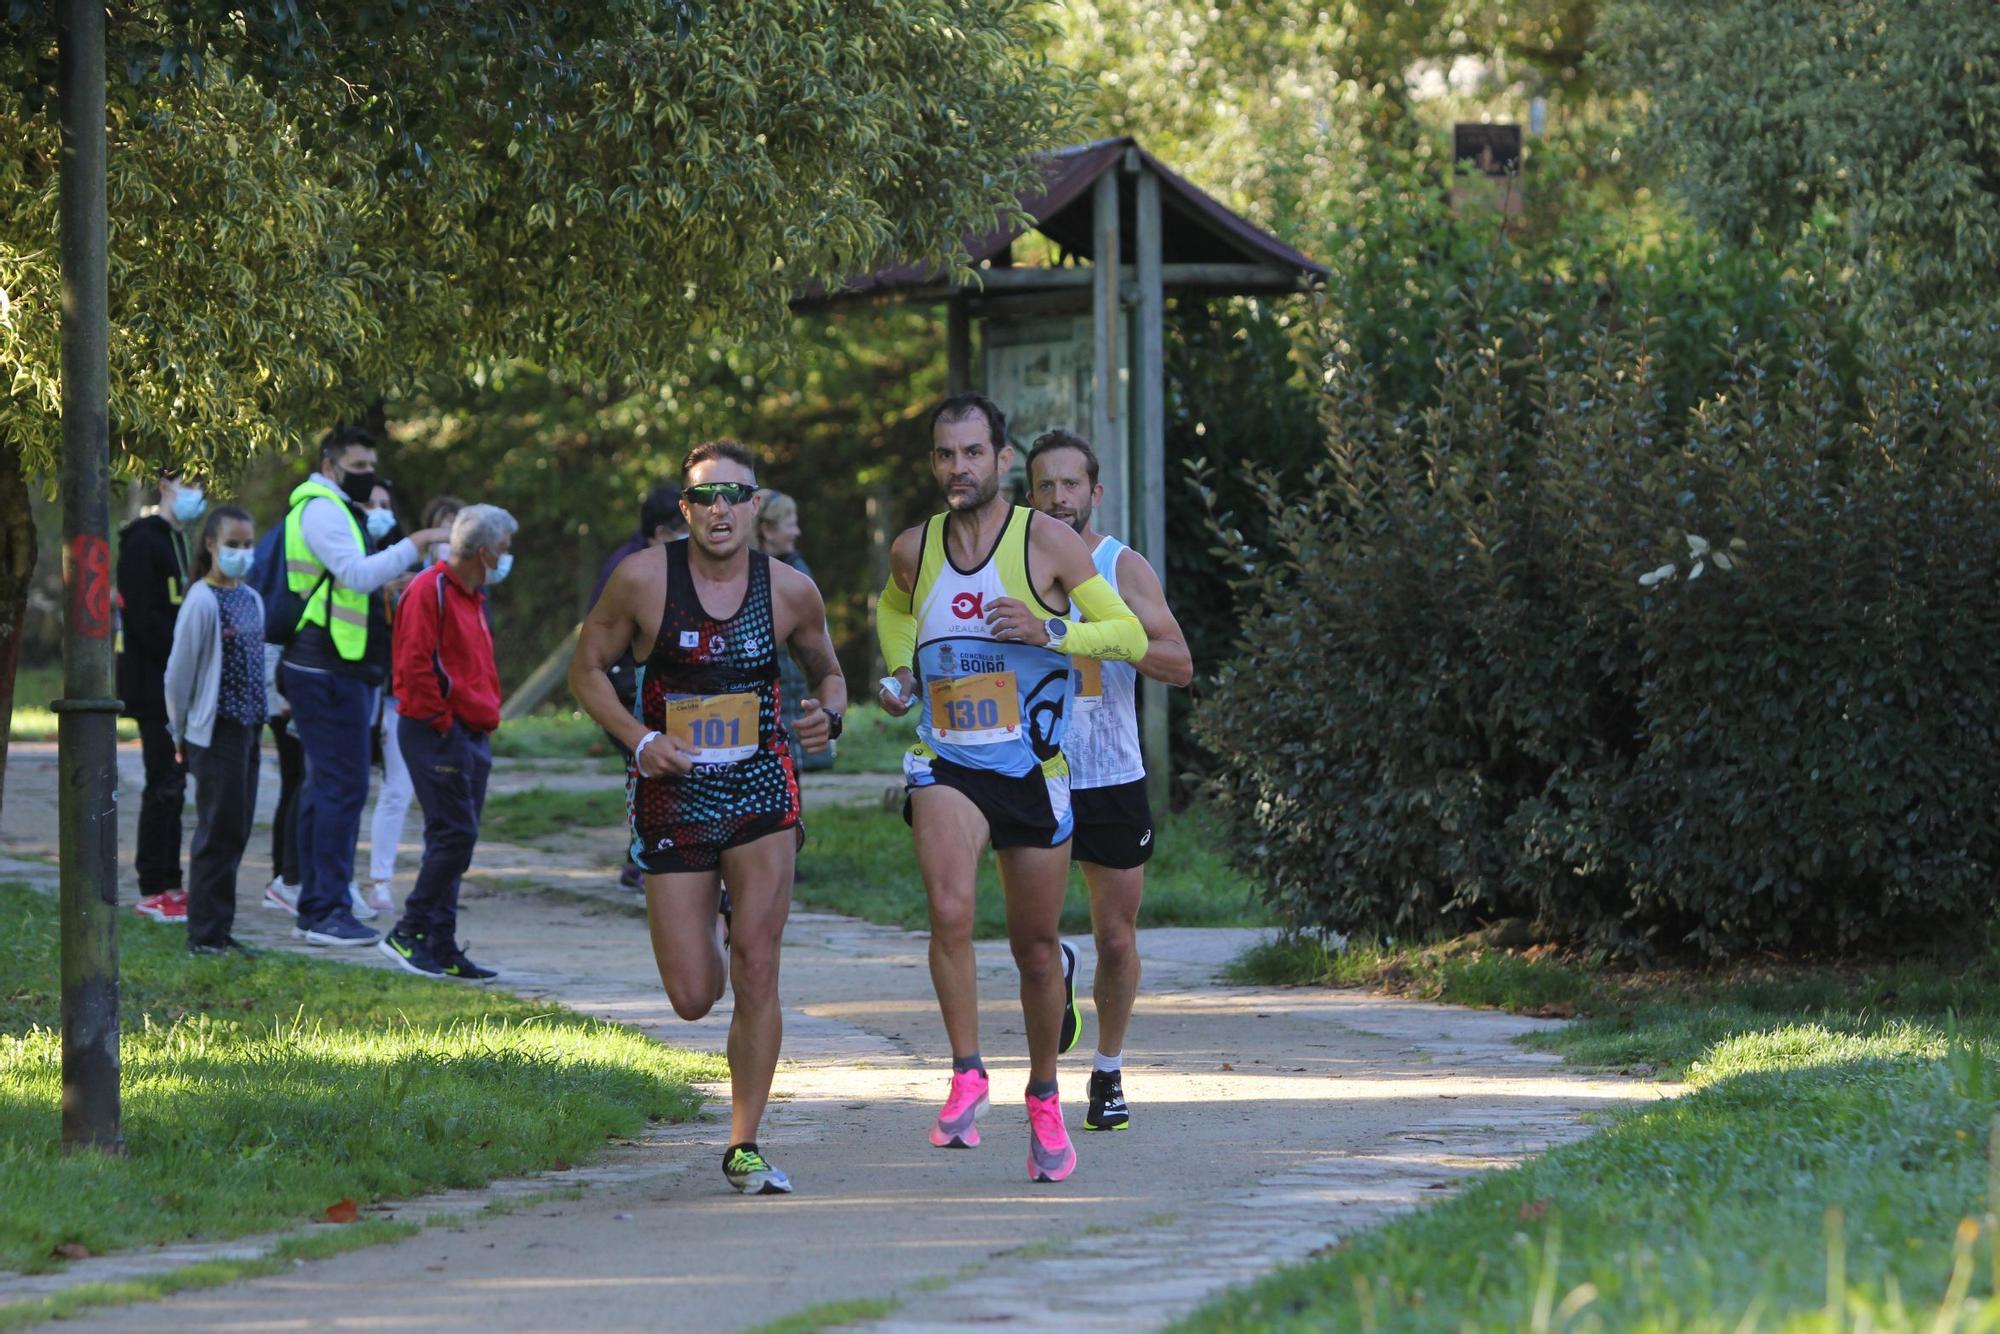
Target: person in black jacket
(154, 573)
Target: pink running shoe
(1050, 1155)
(957, 1126)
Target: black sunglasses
(707, 493)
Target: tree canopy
(334, 203)
(1876, 121)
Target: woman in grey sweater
(215, 712)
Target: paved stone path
(1268, 1123)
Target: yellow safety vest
(333, 604)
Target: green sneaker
(410, 953)
(749, 1171)
(1072, 1024)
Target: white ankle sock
(1109, 1064)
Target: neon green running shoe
(1072, 1025)
(750, 1172)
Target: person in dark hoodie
(335, 662)
(155, 571)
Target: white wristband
(644, 742)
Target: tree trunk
(17, 571)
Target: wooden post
(958, 346)
(1105, 312)
(1150, 441)
(87, 714)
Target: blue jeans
(449, 775)
(333, 715)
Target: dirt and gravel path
(1267, 1123)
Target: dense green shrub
(1554, 637)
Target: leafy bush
(1556, 636)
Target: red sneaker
(168, 906)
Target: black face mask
(357, 486)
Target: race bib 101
(717, 729)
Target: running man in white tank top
(1107, 777)
(973, 623)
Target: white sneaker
(281, 896)
(379, 897)
(364, 911)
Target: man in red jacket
(448, 701)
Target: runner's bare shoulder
(639, 577)
(797, 597)
(905, 554)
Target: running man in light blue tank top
(1114, 823)
(973, 624)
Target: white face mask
(380, 522)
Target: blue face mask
(189, 503)
(380, 522)
(235, 562)
(499, 572)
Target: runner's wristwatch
(835, 720)
(1057, 628)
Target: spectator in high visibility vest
(336, 661)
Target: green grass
(34, 720)
(1842, 1137)
(258, 1093)
(539, 812)
(557, 734)
(858, 860)
(207, 1274)
(831, 1315)
(871, 742)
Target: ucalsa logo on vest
(969, 606)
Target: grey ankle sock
(1041, 1088)
(960, 1064)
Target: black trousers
(225, 803)
(157, 858)
(285, 820)
(449, 774)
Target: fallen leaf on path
(71, 1250)
(342, 1212)
(1227, 1066)
(1533, 1210)
(1557, 1010)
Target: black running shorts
(701, 850)
(1114, 825)
(1031, 811)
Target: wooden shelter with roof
(1083, 347)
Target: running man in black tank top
(711, 789)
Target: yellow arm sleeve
(1110, 629)
(896, 627)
